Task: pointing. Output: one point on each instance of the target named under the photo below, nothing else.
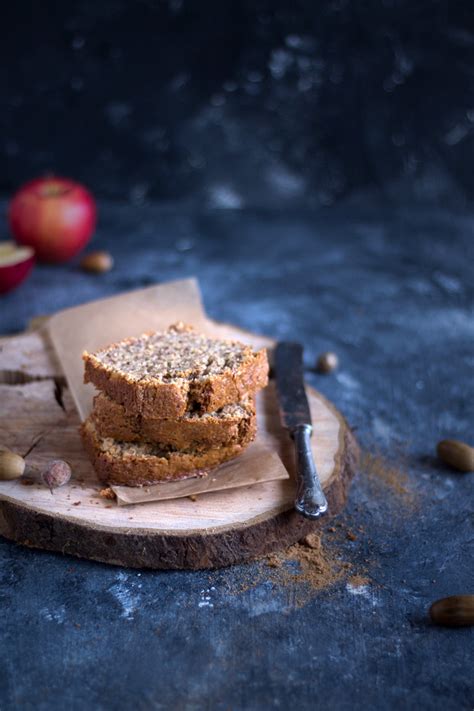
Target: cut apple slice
(16, 262)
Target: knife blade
(295, 415)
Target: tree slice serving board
(38, 419)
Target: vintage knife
(296, 417)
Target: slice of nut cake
(128, 464)
(177, 371)
(232, 424)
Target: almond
(97, 262)
(454, 611)
(458, 455)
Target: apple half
(16, 262)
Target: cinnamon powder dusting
(382, 472)
(358, 581)
(311, 565)
(316, 562)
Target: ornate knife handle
(310, 500)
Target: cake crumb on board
(107, 493)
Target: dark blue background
(311, 164)
(240, 102)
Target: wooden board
(38, 419)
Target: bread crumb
(107, 493)
(312, 540)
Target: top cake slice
(177, 371)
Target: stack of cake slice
(170, 405)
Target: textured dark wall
(350, 105)
(390, 290)
(233, 103)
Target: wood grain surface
(38, 420)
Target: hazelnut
(57, 473)
(327, 362)
(12, 465)
(97, 262)
(458, 455)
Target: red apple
(15, 265)
(55, 216)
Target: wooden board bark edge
(192, 550)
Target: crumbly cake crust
(128, 464)
(233, 424)
(180, 370)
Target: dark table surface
(390, 290)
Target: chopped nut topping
(179, 353)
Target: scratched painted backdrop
(311, 163)
(231, 103)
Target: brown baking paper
(98, 323)
(257, 464)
